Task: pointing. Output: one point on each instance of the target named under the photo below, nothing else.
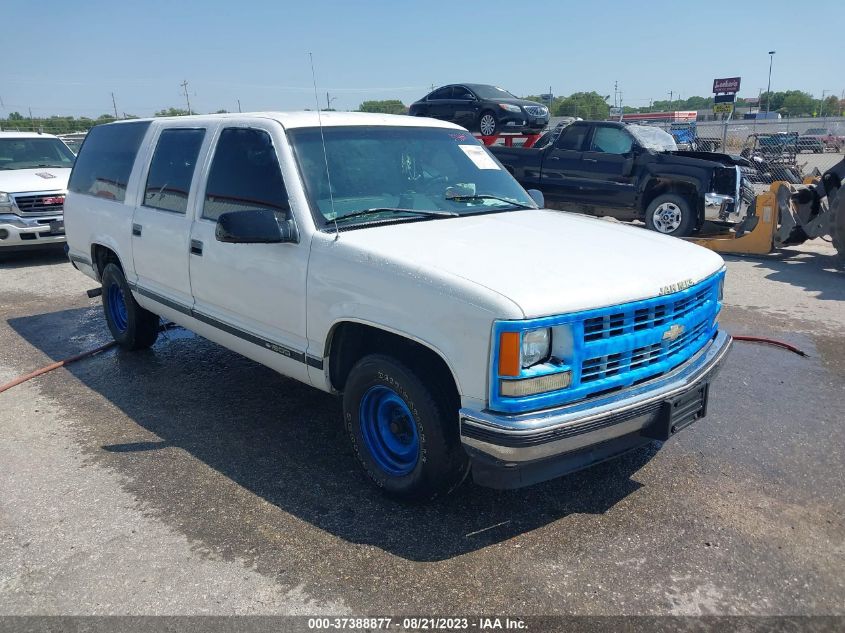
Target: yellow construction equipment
(786, 215)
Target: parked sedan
(482, 108)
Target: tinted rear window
(105, 161)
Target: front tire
(671, 214)
(131, 326)
(403, 430)
(487, 124)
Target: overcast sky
(67, 57)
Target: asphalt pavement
(189, 480)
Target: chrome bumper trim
(542, 434)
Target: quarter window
(105, 161)
(611, 140)
(573, 137)
(244, 175)
(172, 169)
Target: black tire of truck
(132, 326)
(414, 403)
(671, 214)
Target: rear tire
(671, 214)
(403, 429)
(131, 326)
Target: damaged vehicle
(632, 172)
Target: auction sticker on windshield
(479, 156)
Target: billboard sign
(730, 84)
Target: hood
(38, 179)
(519, 102)
(711, 158)
(547, 262)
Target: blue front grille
(619, 346)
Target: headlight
(722, 288)
(510, 107)
(536, 346)
(4, 198)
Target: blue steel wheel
(403, 423)
(117, 307)
(389, 431)
(130, 325)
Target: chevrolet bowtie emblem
(673, 332)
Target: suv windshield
(32, 153)
(392, 172)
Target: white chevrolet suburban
(394, 261)
(34, 170)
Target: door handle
(136, 229)
(591, 160)
(555, 158)
(196, 247)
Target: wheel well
(102, 255)
(660, 187)
(349, 342)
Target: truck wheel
(487, 124)
(130, 325)
(671, 214)
(403, 431)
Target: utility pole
(239, 105)
(821, 105)
(31, 122)
(671, 94)
(184, 85)
(114, 104)
(769, 89)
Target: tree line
(587, 105)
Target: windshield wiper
(376, 210)
(518, 205)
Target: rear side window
(244, 175)
(573, 137)
(172, 169)
(105, 161)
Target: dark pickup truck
(630, 172)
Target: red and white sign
(730, 84)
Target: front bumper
(511, 451)
(522, 122)
(723, 208)
(17, 232)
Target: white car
(393, 260)
(34, 170)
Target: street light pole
(769, 89)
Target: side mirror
(253, 226)
(538, 197)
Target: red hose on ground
(56, 365)
(103, 348)
(769, 341)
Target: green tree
(587, 105)
(172, 112)
(830, 106)
(15, 116)
(798, 103)
(388, 106)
